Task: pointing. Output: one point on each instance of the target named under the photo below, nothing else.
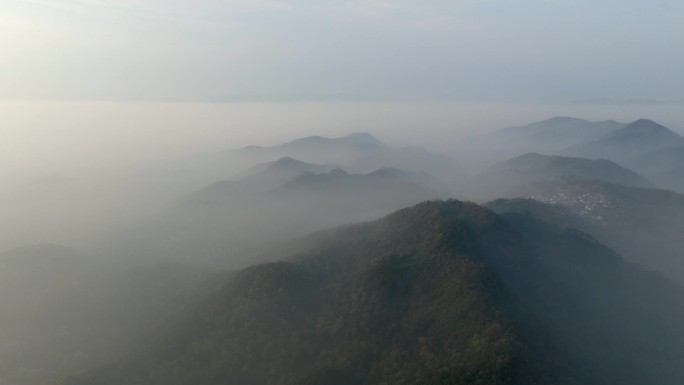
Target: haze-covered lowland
(554, 256)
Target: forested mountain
(637, 138)
(642, 224)
(440, 293)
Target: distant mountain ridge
(360, 140)
(549, 136)
(533, 166)
(508, 178)
(561, 129)
(636, 138)
(318, 149)
(357, 152)
(288, 165)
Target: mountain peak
(285, 164)
(563, 119)
(287, 161)
(646, 127)
(645, 121)
(338, 172)
(307, 139)
(455, 221)
(449, 210)
(531, 155)
(535, 167)
(572, 121)
(628, 142)
(363, 137)
(645, 124)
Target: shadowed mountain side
(642, 224)
(440, 293)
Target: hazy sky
(475, 50)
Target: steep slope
(645, 225)
(637, 138)
(440, 293)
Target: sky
(306, 50)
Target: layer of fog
(73, 173)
